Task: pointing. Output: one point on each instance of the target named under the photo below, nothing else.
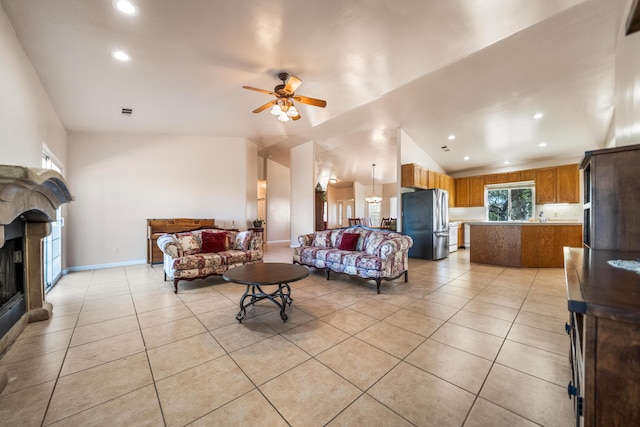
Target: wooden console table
(158, 227)
(604, 330)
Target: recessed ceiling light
(542, 144)
(538, 116)
(120, 55)
(506, 162)
(125, 6)
(466, 157)
(452, 137)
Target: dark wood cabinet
(604, 330)
(612, 198)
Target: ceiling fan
(285, 94)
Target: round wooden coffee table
(265, 274)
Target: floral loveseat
(359, 251)
(201, 253)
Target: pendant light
(373, 198)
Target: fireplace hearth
(29, 199)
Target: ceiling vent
(127, 112)
(445, 148)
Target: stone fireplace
(29, 199)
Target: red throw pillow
(214, 242)
(349, 242)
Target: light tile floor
(460, 344)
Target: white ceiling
(477, 69)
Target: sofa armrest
(255, 244)
(305, 239)
(396, 244)
(168, 244)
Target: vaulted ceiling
(476, 70)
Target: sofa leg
(175, 284)
(328, 273)
(378, 280)
(406, 276)
(165, 276)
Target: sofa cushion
(348, 241)
(189, 243)
(322, 239)
(242, 239)
(214, 242)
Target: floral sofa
(202, 253)
(358, 250)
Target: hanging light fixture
(373, 198)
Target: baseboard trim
(101, 266)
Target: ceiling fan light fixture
(276, 110)
(292, 112)
(283, 117)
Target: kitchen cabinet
(560, 184)
(612, 198)
(470, 191)
(523, 245)
(528, 175)
(567, 184)
(502, 178)
(462, 192)
(604, 343)
(490, 179)
(514, 176)
(476, 191)
(546, 185)
(415, 176)
(411, 175)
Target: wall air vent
(127, 112)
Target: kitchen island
(523, 244)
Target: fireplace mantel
(33, 195)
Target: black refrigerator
(425, 218)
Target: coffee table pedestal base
(280, 297)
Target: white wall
(627, 116)
(410, 152)
(278, 202)
(302, 190)
(121, 180)
(27, 118)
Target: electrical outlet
(115, 249)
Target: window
(52, 244)
(374, 214)
(510, 203)
(393, 207)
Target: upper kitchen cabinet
(559, 184)
(476, 191)
(415, 176)
(411, 175)
(469, 191)
(546, 185)
(567, 184)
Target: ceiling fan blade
(292, 84)
(298, 117)
(268, 92)
(265, 106)
(311, 101)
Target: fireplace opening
(12, 301)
